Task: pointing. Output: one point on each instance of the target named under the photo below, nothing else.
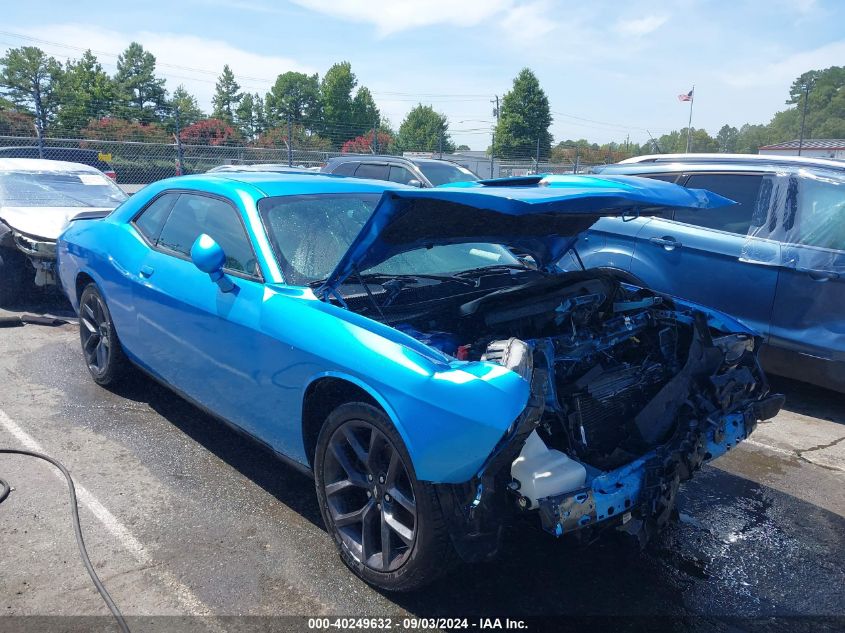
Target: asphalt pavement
(192, 524)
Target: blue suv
(775, 260)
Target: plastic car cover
(799, 222)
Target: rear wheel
(387, 525)
(101, 348)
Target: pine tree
(141, 95)
(524, 118)
(29, 79)
(85, 92)
(226, 97)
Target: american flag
(687, 96)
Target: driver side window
(195, 214)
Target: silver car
(38, 198)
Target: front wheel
(101, 348)
(387, 525)
(13, 276)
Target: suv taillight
(111, 174)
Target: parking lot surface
(185, 517)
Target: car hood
(44, 222)
(538, 215)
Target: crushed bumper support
(645, 490)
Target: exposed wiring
(74, 510)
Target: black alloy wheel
(387, 524)
(369, 496)
(100, 346)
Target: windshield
(58, 189)
(311, 233)
(443, 173)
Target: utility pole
(375, 137)
(290, 141)
(492, 153)
(537, 167)
(806, 87)
(496, 109)
(180, 154)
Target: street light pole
(803, 117)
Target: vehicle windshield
(444, 173)
(58, 189)
(311, 233)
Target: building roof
(812, 143)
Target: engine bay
(615, 360)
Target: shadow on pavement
(810, 400)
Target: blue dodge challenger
(419, 352)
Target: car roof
(272, 167)
(741, 159)
(42, 164)
(414, 160)
(285, 183)
(727, 166)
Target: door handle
(667, 241)
(821, 275)
(147, 271)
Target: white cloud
(528, 23)
(393, 16)
(782, 72)
(181, 59)
(639, 27)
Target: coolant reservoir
(543, 472)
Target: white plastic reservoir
(543, 472)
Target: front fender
(450, 413)
(450, 420)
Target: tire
(13, 282)
(101, 348)
(372, 502)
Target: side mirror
(207, 255)
(415, 183)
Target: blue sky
(611, 69)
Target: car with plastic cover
(385, 340)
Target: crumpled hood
(44, 222)
(538, 215)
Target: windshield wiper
(414, 276)
(496, 268)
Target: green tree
(297, 95)
(85, 92)
(423, 130)
(462, 148)
(336, 100)
(185, 105)
(365, 113)
(141, 94)
(227, 96)
(727, 139)
(30, 79)
(752, 137)
(245, 116)
(524, 118)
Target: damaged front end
(631, 396)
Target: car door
(610, 242)
(404, 176)
(200, 340)
(701, 255)
(808, 319)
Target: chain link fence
(138, 163)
